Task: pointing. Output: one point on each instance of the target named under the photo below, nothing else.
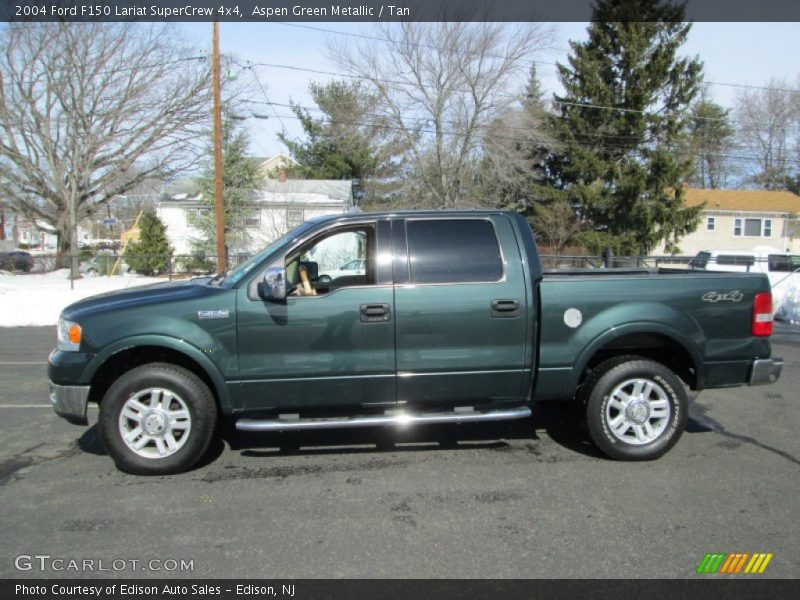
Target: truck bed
(708, 313)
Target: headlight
(68, 337)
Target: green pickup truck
(451, 321)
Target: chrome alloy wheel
(638, 411)
(155, 423)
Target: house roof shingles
(744, 200)
(291, 191)
(336, 189)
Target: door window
(318, 267)
(453, 251)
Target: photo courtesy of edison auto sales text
(126, 589)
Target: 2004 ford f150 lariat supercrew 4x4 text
(452, 321)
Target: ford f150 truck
(452, 321)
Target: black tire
(188, 390)
(608, 426)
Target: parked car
(102, 264)
(453, 321)
(760, 260)
(16, 261)
(354, 267)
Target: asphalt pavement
(517, 500)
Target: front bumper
(765, 370)
(69, 402)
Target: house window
(710, 223)
(752, 227)
(194, 216)
(253, 221)
(294, 218)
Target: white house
(742, 220)
(33, 235)
(281, 205)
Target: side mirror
(274, 285)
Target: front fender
(178, 345)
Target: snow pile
(38, 299)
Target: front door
(331, 343)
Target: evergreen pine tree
(622, 119)
(350, 140)
(710, 137)
(241, 181)
(152, 254)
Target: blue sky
(733, 53)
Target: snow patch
(38, 299)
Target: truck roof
(412, 213)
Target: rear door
(460, 305)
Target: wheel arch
(125, 355)
(649, 340)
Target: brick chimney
(282, 175)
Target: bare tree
(516, 146)
(555, 223)
(440, 85)
(89, 111)
(767, 131)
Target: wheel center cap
(154, 423)
(638, 411)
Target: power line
(507, 96)
(414, 44)
(420, 120)
(753, 87)
(502, 57)
(264, 93)
(521, 140)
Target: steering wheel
(324, 279)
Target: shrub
(152, 254)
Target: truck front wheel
(157, 419)
(636, 409)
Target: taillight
(762, 315)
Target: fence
(560, 262)
(184, 265)
(173, 267)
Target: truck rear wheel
(636, 409)
(157, 419)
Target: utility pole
(219, 205)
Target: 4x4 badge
(734, 296)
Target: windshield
(234, 276)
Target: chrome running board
(396, 419)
